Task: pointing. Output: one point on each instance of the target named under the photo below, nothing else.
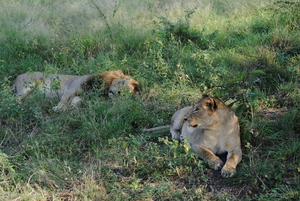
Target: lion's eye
(195, 110)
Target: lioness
(69, 87)
(212, 128)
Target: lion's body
(212, 128)
(68, 88)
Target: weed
(7, 169)
(290, 93)
(290, 9)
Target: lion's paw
(228, 171)
(57, 109)
(215, 163)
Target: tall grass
(245, 52)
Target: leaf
(231, 104)
(240, 109)
(242, 76)
(254, 72)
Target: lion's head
(207, 113)
(115, 82)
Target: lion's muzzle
(192, 123)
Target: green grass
(244, 52)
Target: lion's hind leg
(68, 97)
(21, 92)
(175, 132)
(24, 85)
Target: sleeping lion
(212, 128)
(69, 87)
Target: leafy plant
(6, 168)
(242, 90)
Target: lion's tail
(156, 128)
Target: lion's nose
(194, 125)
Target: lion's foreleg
(214, 161)
(233, 158)
(65, 100)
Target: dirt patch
(272, 113)
(221, 188)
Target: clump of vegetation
(182, 32)
(246, 53)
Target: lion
(211, 128)
(68, 88)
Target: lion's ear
(210, 104)
(136, 86)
